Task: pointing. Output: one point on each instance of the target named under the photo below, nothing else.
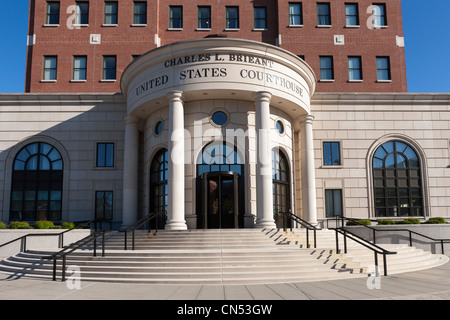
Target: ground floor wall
(358, 123)
(74, 125)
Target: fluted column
(130, 171)
(264, 183)
(309, 206)
(175, 183)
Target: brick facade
(125, 40)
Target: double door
(220, 200)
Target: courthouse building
(220, 114)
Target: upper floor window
(354, 69)
(82, 13)
(295, 14)
(79, 68)
(52, 16)
(326, 68)
(383, 69)
(351, 14)
(331, 154)
(109, 67)
(176, 17)
(140, 12)
(204, 17)
(260, 18)
(379, 15)
(111, 12)
(232, 18)
(323, 14)
(50, 68)
(105, 155)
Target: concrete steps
(244, 256)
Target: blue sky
(426, 29)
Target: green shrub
(436, 220)
(43, 224)
(67, 225)
(385, 222)
(360, 222)
(19, 225)
(2, 225)
(409, 221)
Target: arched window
(158, 182)
(397, 181)
(280, 176)
(37, 183)
(218, 156)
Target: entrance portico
(255, 87)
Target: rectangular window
(351, 14)
(379, 15)
(326, 68)
(295, 14)
(232, 21)
(79, 68)
(260, 18)
(383, 69)
(354, 69)
(204, 17)
(323, 14)
(105, 155)
(109, 67)
(52, 13)
(110, 12)
(140, 12)
(333, 203)
(104, 205)
(331, 154)
(50, 68)
(82, 13)
(176, 17)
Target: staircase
(228, 256)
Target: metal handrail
(137, 225)
(74, 246)
(376, 249)
(374, 230)
(304, 223)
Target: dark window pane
(140, 13)
(52, 12)
(105, 154)
(260, 18)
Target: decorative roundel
(219, 118)
(280, 127)
(159, 127)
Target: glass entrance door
(220, 200)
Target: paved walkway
(430, 284)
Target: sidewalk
(430, 284)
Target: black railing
(289, 216)
(137, 225)
(74, 246)
(375, 248)
(393, 229)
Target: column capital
(131, 119)
(307, 119)
(262, 96)
(174, 95)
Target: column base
(176, 225)
(269, 224)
